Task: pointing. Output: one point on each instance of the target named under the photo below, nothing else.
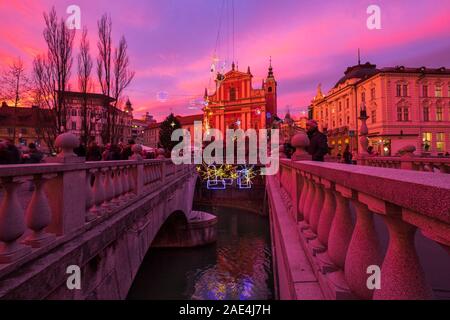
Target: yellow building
(406, 106)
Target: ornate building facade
(237, 105)
(406, 106)
(98, 107)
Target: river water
(237, 267)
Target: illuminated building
(406, 106)
(237, 105)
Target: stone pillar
(66, 199)
(300, 142)
(407, 157)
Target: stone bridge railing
(67, 198)
(334, 207)
(440, 165)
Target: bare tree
(104, 58)
(114, 75)
(122, 79)
(85, 85)
(15, 86)
(52, 74)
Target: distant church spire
(233, 66)
(270, 75)
(359, 57)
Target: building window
(405, 90)
(373, 116)
(270, 89)
(402, 114)
(438, 91)
(74, 112)
(426, 114)
(439, 113)
(424, 91)
(399, 114)
(340, 106)
(348, 100)
(405, 114)
(232, 94)
(440, 142)
(340, 121)
(74, 125)
(426, 139)
(372, 94)
(348, 120)
(363, 97)
(399, 90)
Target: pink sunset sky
(172, 42)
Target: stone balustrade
(335, 207)
(69, 196)
(437, 165)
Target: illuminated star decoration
(173, 124)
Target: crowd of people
(110, 152)
(11, 154)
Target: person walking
(93, 152)
(33, 155)
(347, 155)
(318, 144)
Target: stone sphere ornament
(67, 142)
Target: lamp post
(363, 132)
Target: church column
(262, 118)
(216, 121)
(249, 119)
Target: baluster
(309, 202)
(89, 197)
(118, 184)
(302, 201)
(114, 178)
(125, 184)
(99, 194)
(131, 182)
(317, 205)
(12, 224)
(38, 215)
(341, 229)
(109, 189)
(402, 276)
(326, 218)
(363, 251)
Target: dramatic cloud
(172, 43)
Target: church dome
(359, 71)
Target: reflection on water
(237, 267)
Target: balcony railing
(351, 218)
(43, 205)
(437, 165)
